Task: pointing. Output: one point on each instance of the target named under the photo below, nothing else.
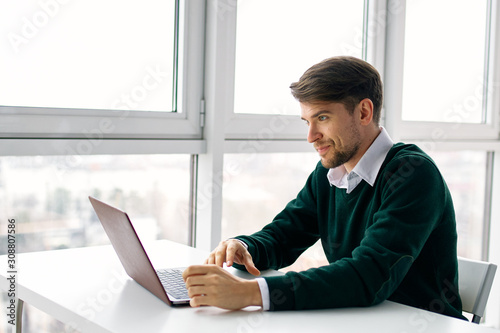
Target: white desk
(89, 289)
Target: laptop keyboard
(173, 282)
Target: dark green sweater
(396, 240)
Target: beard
(341, 155)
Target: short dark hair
(343, 79)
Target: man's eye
(321, 118)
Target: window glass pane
(444, 61)
(91, 54)
(465, 174)
(273, 50)
(48, 198)
(260, 185)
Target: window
(83, 87)
(465, 174)
(48, 197)
(276, 45)
(69, 67)
(441, 76)
(445, 61)
(70, 55)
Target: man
(383, 213)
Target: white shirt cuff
(264, 288)
(264, 293)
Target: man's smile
(322, 150)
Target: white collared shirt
(366, 169)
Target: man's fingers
(196, 291)
(210, 260)
(200, 300)
(226, 252)
(250, 266)
(195, 270)
(196, 279)
(212, 285)
(239, 254)
(220, 256)
(231, 253)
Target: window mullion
(393, 67)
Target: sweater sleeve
(411, 197)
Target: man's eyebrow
(318, 113)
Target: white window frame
(437, 131)
(43, 131)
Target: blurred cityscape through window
(48, 197)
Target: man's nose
(313, 134)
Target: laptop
(166, 284)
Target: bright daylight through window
(54, 211)
(112, 55)
(444, 61)
(286, 48)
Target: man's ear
(365, 111)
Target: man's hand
(232, 251)
(212, 285)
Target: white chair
(474, 284)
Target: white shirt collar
(367, 168)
